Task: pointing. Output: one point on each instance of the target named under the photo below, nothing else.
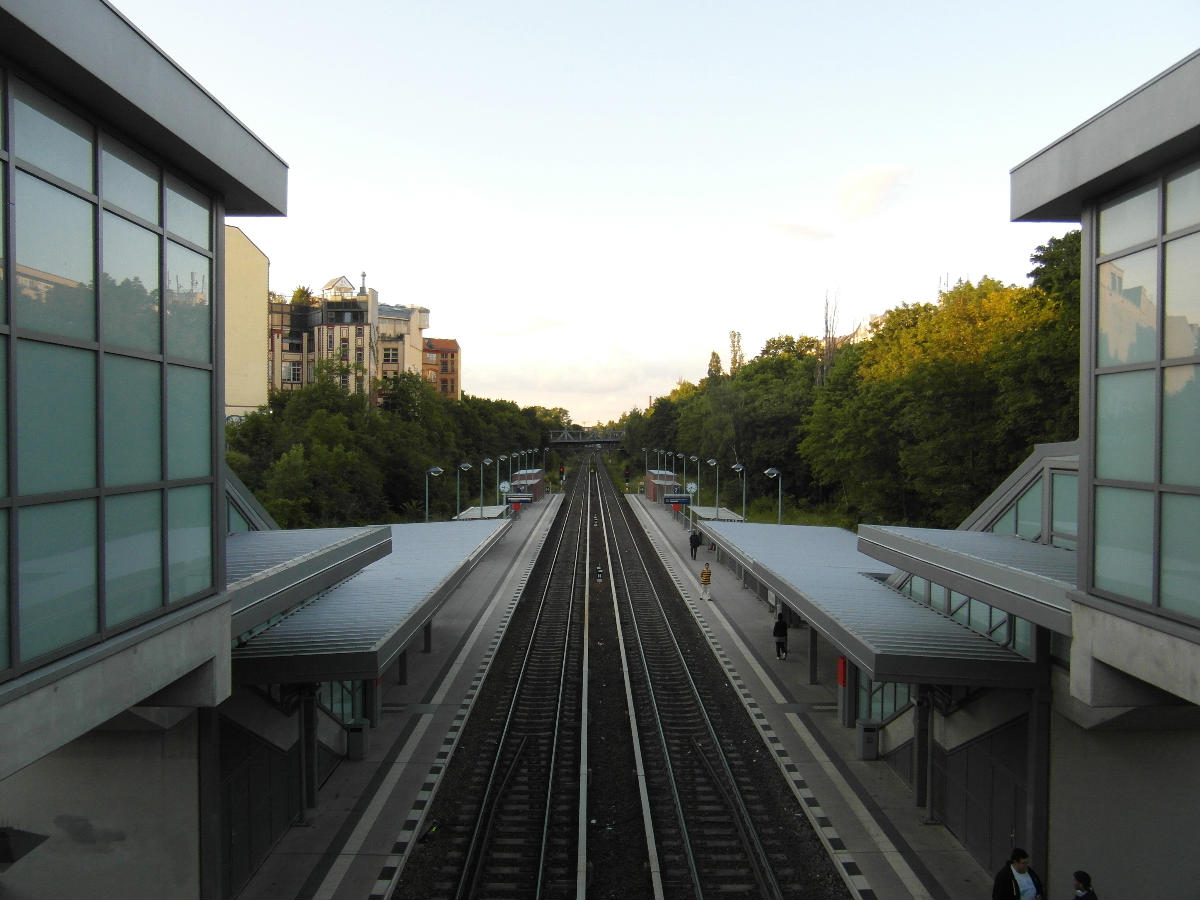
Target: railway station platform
(371, 810)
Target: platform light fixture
(717, 469)
(462, 467)
(434, 471)
(741, 470)
(775, 473)
(487, 461)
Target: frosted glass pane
(1179, 587)
(1129, 221)
(1007, 523)
(54, 234)
(3, 240)
(132, 555)
(189, 303)
(56, 418)
(56, 575)
(189, 538)
(132, 420)
(1181, 425)
(3, 414)
(189, 423)
(1127, 298)
(188, 214)
(1182, 298)
(50, 137)
(130, 181)
(1183, 199)
(1065, 509)
(1125, 426)
(1123, 544)
(1029, 512)
(130, 285)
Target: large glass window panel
(132, 420)
(189, 423)
(1179, 585)
(980, 616)
(188, 214)
(130, 181)
(1064, 509)
(960, 607)
(55, 255)
(132, 555)
(1183, 199)
(1181, 425)
(51, 137)
(938, 597)
(1129, 221)
(56, 575)
(1022, 640)
(1125, 426)
(56, 418)
(130, 299)
(189, 303)
(1127, 298)
(5, 661)
(3, 415)
(1181, 298)
(1122, 557)
(1029, 512)
(189, 539)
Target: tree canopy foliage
(320, 456)
(917, 424)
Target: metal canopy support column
(402, 667)
(308, 749)
(922, 746)
(427, 634)
(1037, 802)
(372, 701)
(812, 655)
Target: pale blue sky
(589, 197)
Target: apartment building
(442, 366)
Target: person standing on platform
(1083, 886)
(694, 542)
(780, 632)
(1017, 881)
(706, 583)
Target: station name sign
(682, 499)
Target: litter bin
(867, 739)
(357, 739)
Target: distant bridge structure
(582, 436)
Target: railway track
(606, 755)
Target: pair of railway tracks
(605, 756)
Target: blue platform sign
(681, 499)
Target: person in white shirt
(1017, 880)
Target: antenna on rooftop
(362, 291)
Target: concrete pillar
(922, 746)
(402, 667)
(308, 750)
(812, 655)
(1037, 796)
(427, 634)
(212, 859)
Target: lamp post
(434, 471)
(487, 461)
(775, 473)
(683, 465)
(741, 470)
(498, 458)
(694, 458)
(462, 467)
(717, 469)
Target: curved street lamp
(694, 458)
(498, 459)
(775, 473)
(683, 465)
(741, 470)
(646, 464)
(462, 467)
(434, 471)
(717, 469)
(487, 461)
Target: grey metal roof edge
(1143, 131)
(1029, 595)
(92, 53)
(1016, 482)
(889, 666)
(275, 590)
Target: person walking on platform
(1017, 881)
(694, 542)
(780, 632)
(706, 583)
(1083, 886)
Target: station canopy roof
(355, 625)
(840, 591)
